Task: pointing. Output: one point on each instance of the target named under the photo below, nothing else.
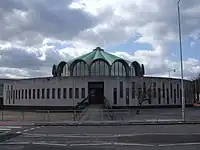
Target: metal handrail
(82, 102)
(108, 107)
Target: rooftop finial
(98, 49)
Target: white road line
(51, 144)
(25, 130)
(37, 127)
(178, 144)
(90, 144)
(102, 135)
(14, 143)
(18, 132)
(132, 144)
(5, 129)
(32, 128)
(10, 127)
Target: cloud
(28, 23)
(36, 34)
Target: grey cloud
(44, 18)
(23, 58)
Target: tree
(144, 96)
(54, 71)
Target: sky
(35, 34)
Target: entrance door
(96, 92)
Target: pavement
(192, 114)
(142, 132)
(163, 137)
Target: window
(29, 93)
(127, 96)
(48, 93)
(22, 96)
(115, 96)
(163, 89)
(83, 93)
(181, 95)
(16, 92)
(53, 93)
(9, 97)
(64, 92)
(121, 89)
(19, 94)
(38, 93)
(58, 93)
(13, 94)
(159, 96)
(149, 95)
(171, 90)
(133, 90)
(167, 96)
(70, 93)
(174, 96)
(43, 93)
(77, 93)
(144, 88)
(33, 93)
(178, 90)
(11, 91)
(154, 89)
(26, 94)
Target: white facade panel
(110, 83)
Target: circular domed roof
(97, 54)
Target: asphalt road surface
(159, 137)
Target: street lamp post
(181, 59)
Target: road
(100, 137)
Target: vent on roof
(98, 49)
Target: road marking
(18, 132)
(102, 135)
(10, 127)
(179, 144)
(32, 128)
(5, 129)
(51, 144)
(37, 127)
(91, 144)
(132, 144)
(25, 130)
(15, 143)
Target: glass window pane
(118, 69)
(99, 68)
(80, 69)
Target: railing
(108, 108)
(83, 104)
(192, 114)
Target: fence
(100, 115)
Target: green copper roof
(97, 54)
